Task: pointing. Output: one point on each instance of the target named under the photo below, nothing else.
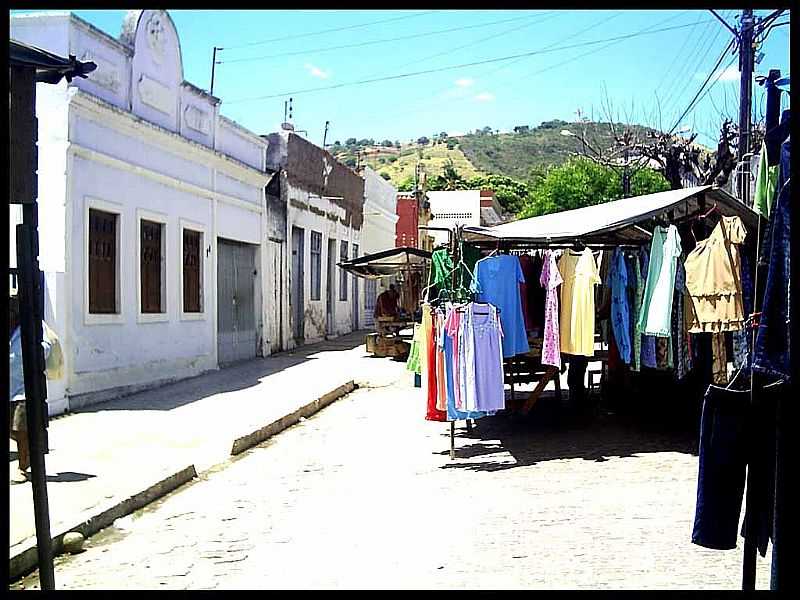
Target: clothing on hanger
(577, 314)
(497, 280)
(713, 278)
(656, 313)
(550, 280)
(617, 281)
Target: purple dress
(486, 360)
(550, 279)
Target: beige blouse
(713, 279)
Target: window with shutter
(102, 262)
(150, 264)
(316, 265)
(342, 272)
(191, 271)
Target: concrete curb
(24, 558)
(253, 439)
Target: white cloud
(464, 82)
(729, 74)
(484, 97)
(316, 71)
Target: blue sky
(554, 84)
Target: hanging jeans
(723, 461)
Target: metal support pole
(213, 69)
(23, 136)
(745, 99)
(452, 440)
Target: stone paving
(108, 452)
(364, 495)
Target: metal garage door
(236, 319)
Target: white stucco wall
(464, 203)
(379, 231)
(315, 310)
(106, 144)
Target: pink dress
(550, 280)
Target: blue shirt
(496, 281)
(16, 379)
(617, 280)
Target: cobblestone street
(364, 495)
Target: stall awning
(625, 221)
(386, 263)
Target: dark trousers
(723, 462)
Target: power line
(702, 87)
(335, 29)
(678, 53)
(460, 66)
(418, 105)
(370, 42)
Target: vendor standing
(18, 424)
(386, 304)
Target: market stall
(408, 267)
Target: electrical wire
(370, 42)
(451, 67)
(323, 31)
(678, 53)
(702, 87)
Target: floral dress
(550, 279)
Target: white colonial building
(380, 223)
(155, 242)
(461, 208)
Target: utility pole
(325, 135)
(745, 100)
(214, 68)
(626, 176)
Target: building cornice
(132, 124)
(183, 186)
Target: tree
(337, 143)
(350, 142)
(451, 143)
(397, 143)
(387, 143)
(364, 142)
(350, 161)
(422, 140)
(443, 135)
(522, 129)
(583, 182)
(386, 176)
(406, 185)
(512, 195)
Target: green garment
(766, 184)
(441, 275)
(413, 364)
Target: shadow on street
(230, 378)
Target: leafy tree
(385, 175)
(582, 182)
(448, 179)
(350, 161)
(422, 140)
(397, 143)
(350, 142)
(387, 143)
(337, 143)
(512, 195)
(451, 144)
(365, 142)
(443, 135)
(406, 185)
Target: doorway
(356, 303)
(236, 319)
(297, 300)
(330, 314)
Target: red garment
(386, 305)
(532, 293)
(433, 388)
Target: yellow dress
(576, 318)
(713, 279)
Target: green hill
(517, 155)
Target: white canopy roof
(616, 222)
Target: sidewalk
(112, 458)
